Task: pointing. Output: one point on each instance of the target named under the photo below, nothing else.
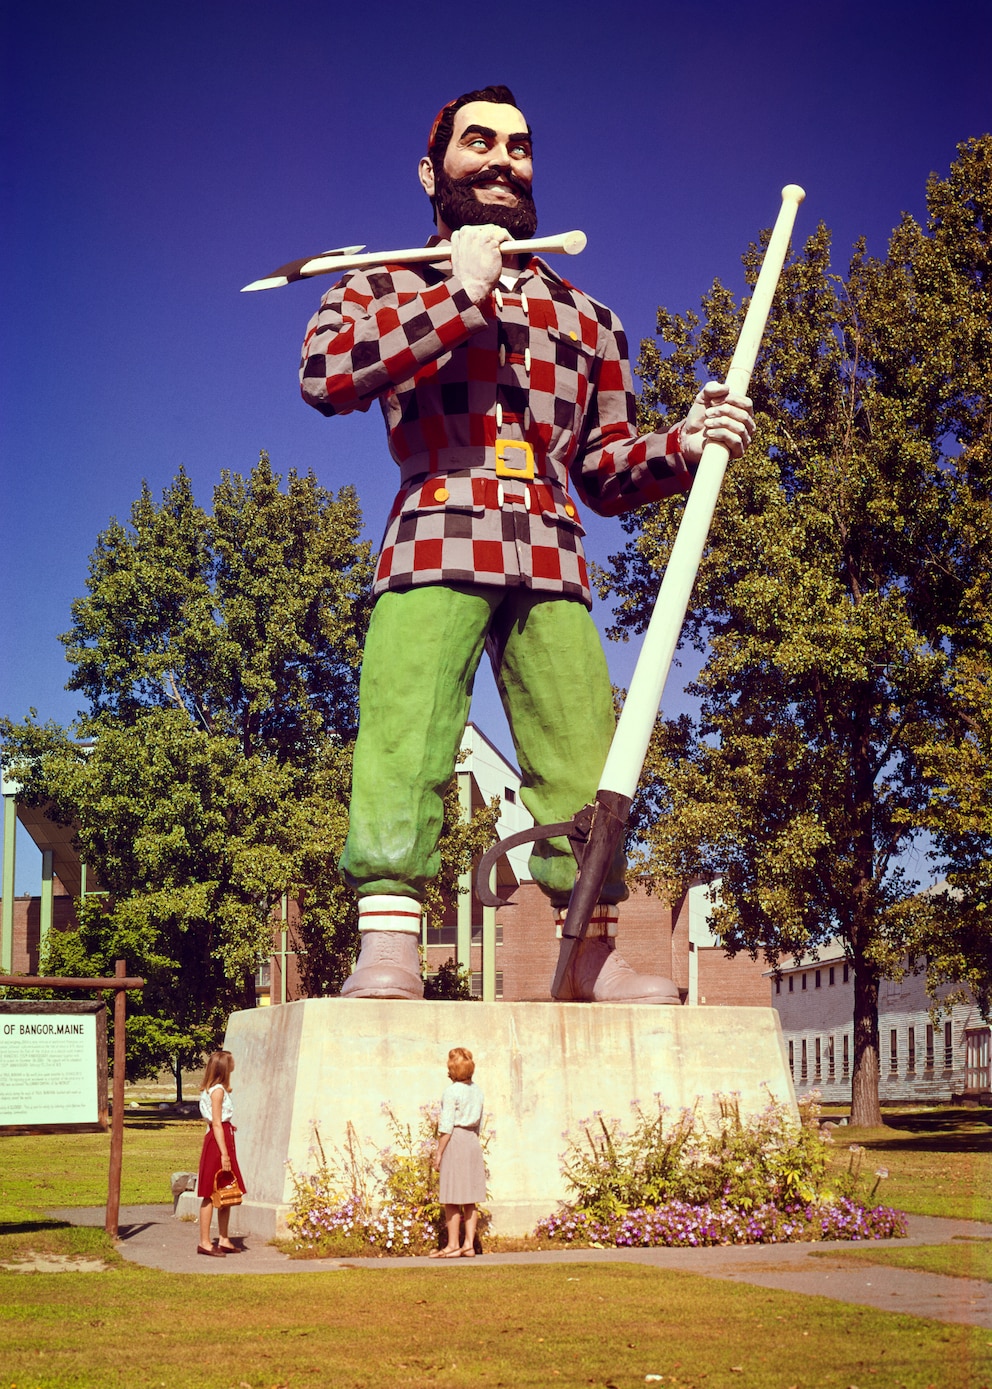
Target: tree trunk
(179, 1081)
(865, 1109)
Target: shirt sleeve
(447, 1120)
(374, 331)
(615, 469)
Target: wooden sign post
(59, 1029)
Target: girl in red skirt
(218, 1153)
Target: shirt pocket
(569, 349)
(442, 493)
(560, 512)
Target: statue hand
(717, 416)
(476, 258)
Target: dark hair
(444, 122)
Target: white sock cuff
(603, 922)
(387, 912)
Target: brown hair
(460, 1064)
(220, 1064)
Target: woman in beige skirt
(458, 1156)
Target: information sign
(53, 1066)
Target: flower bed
(678, 1224)
(681, 1181)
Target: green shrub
(745, 1162)
(351, 1203)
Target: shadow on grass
(30, 1227)
(939, 1131)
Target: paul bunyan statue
(507, 398)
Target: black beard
(457, 206)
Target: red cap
(437, 121)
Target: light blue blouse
(461, 1106)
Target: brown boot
(388, 967)
(597, 974)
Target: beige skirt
(463, 1171)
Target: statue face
(487, 172)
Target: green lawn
(939, 1160)
(572, 1325)
(516, 1327)
(962, 1258)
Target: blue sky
(157, 156)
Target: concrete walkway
(150, 1235)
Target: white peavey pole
(602, 832)
(337, 262)
(630, 742)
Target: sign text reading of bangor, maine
(53, 1065)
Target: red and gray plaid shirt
(541, 363)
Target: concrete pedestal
(541, 1066)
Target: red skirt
(210, 1163)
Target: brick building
(511, 953)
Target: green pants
(424, 647)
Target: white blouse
(206, 1105)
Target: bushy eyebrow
(488, 133)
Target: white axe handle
(567, 244)
(630, 742)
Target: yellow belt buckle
(524, 468)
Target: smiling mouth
(497, 188)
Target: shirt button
(441, 494)
(502, 354)
(574, 336)
(523, 302)
(569, 509)
(527, 418)
(499, 416)
(526, 359)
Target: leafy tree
(219, 655)
(841, 606)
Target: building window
(846, 1057)
(847, 969)
(911, 1051)
(893, 1050)
(948, 1047)
(792, 983)
(263, 975)
(831, 1073)
(803, 1064)
(929, 1055)
(509, 795)
(778, 986)
(792, 1060)
(816, 981)
(831, 978)
(816, 1059)
(804, 981)
(477, 983)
